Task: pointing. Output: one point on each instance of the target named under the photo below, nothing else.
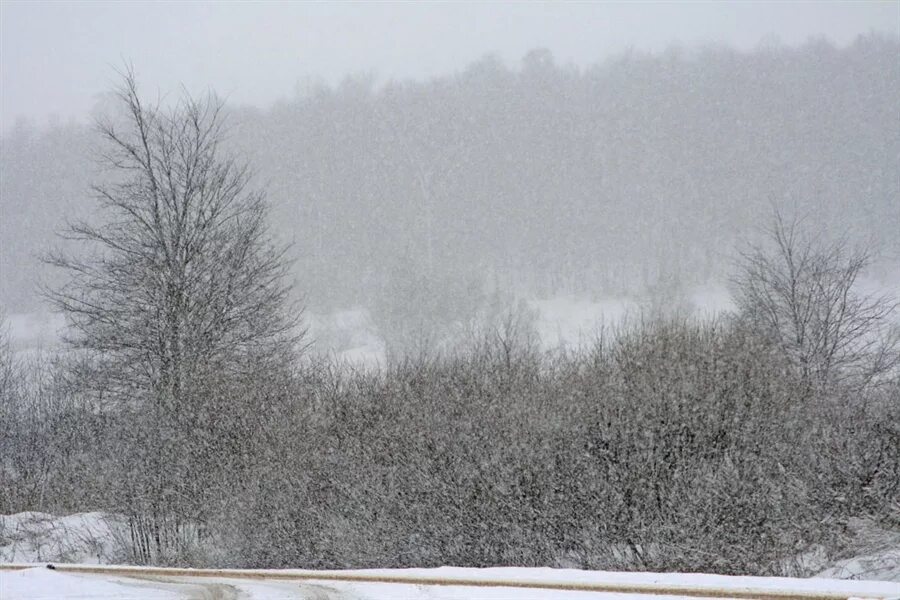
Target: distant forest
(543, 179)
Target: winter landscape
(458, 300)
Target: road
(26, 582)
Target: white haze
(590, 160)
(55, 57)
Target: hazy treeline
(539, 179)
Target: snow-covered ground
(879, 558)
(44, 584)
(86, 538)
(883, 565)
(90, 538)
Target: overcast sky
(56, 57)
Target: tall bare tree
(181, 308)
(184, 278)
(804, 293)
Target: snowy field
(352, 337)
(44, 584)
(35, 537)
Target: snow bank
(877, 554)
(87, 538)
(881, 566)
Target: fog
(428, 162)
(55, 58)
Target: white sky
(56, 57)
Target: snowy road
(130, 583)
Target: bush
(670, 444)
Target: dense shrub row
(670, 444)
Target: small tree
(803, 294)
(184, 290)
(8, 370)
(10, 390)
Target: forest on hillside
(537, 180)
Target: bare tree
(803, 293)
(185, 277)
(182, 304)
(7, 364)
